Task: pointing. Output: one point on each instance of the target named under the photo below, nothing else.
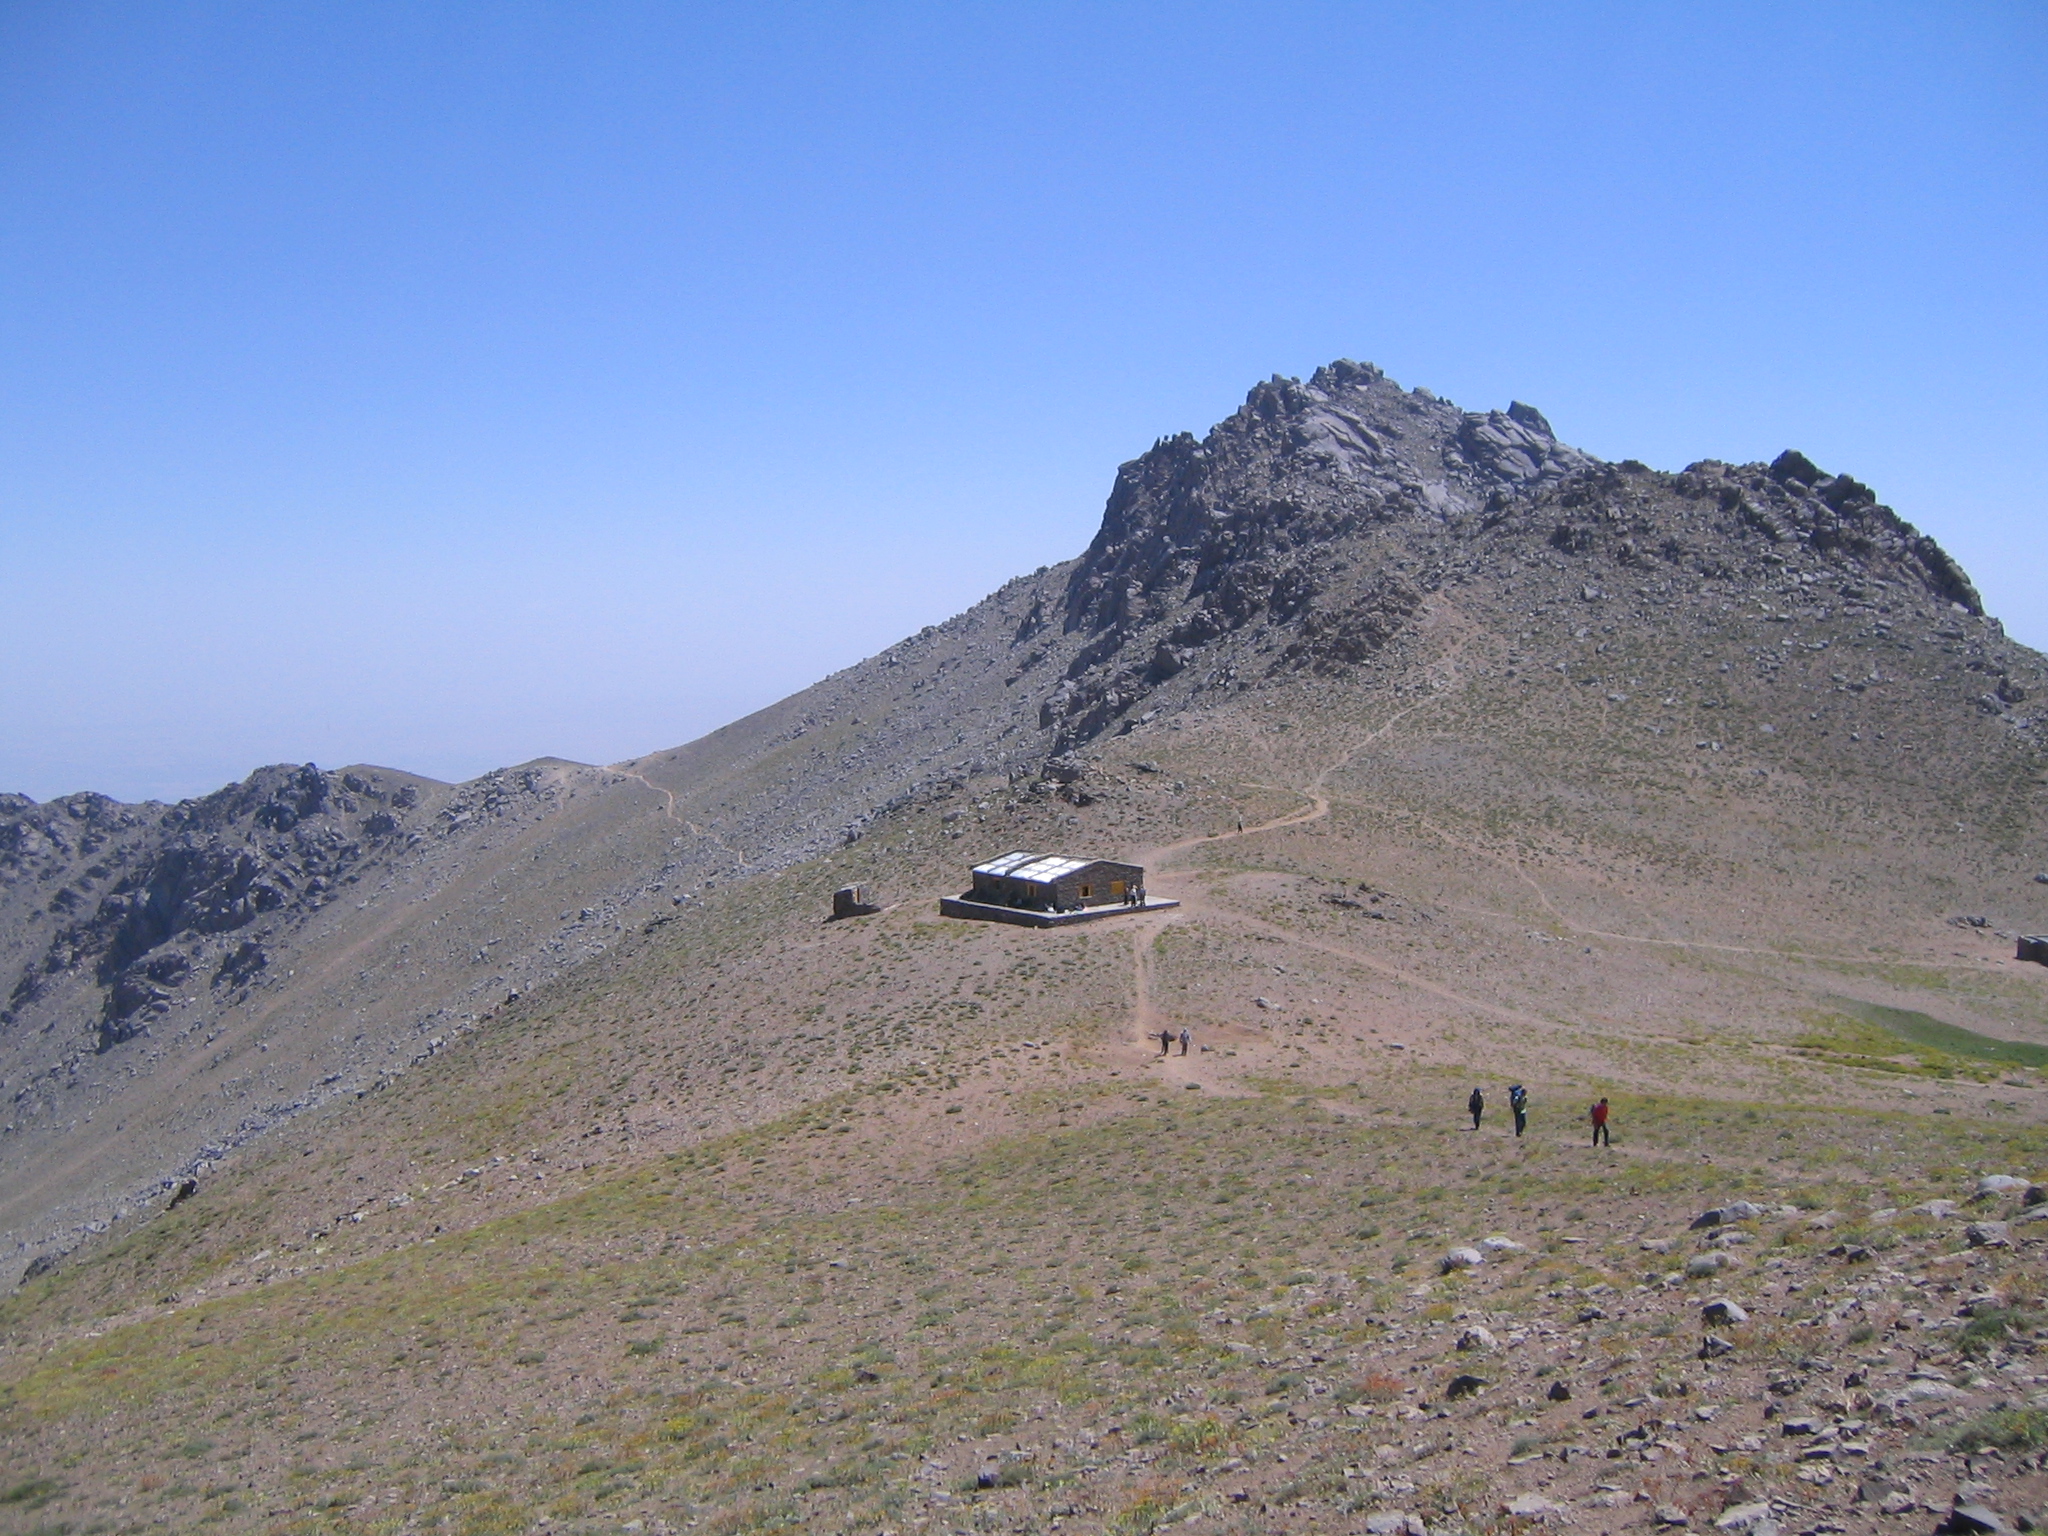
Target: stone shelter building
(1053, 883)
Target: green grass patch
(33, 1493)
(1927, 1033)
(1987, 1330)
(2003, 1429)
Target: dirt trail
(1157, 862)
(1570, 925)
(668, 809)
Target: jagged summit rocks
(1318, 518)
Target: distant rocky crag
(150, 906)
(153, 901)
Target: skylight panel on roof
(1048, 869)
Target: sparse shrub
(1146, 1427)
(2003, 1429)
(1862, 1333)
(1987, 1330)
(32, 1494)
(1196, 1435)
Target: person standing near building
(1476, 1105)
(1518, 1101)
(1598, 1115)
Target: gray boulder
(1975, 1520)
(1721, 1215)
(1747, 1519)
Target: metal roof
(1043, 869)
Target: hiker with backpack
(1598, 1115)
(1518, 1101)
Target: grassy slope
(727, 1257)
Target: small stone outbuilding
(1054, 883)
(853, 901)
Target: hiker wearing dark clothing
(1477, 1105)
(1165, 1041)
(1518, 1101)
(1598, 1115)
(1186, 1036)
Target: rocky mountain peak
(1308, 527)
(1296, 466)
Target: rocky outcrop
(180, 880)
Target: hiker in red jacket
(1598, 1115)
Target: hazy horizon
(445, 388)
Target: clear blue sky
(447, 385)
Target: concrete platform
(987, 912)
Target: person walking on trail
(1477, 1105)
(1165, 1041)
(1518, 1101)
(1186, 1037)
(1598, 1115)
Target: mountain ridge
(1303, 536)
(564, 1164)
